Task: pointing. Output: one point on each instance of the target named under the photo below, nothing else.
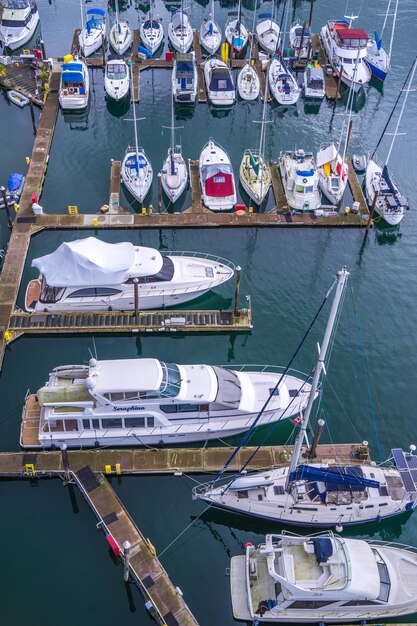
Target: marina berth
(347, 48)
(18, 23)
(219, 83)
(92, 34)
(116, 78)
(300, 179)
(91, 275)
(210, 33)
(180, 31)
(184, 78)
(74, 86)
(134, 402)
(323, 578)
(217, 178)
(151, 31)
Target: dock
(201, 89)
(114, 194)
(330, 83)
(20, 76)
(277, 186)
(356, 189)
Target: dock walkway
(330, 83)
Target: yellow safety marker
(107, 469)
(144, 210)
(73, 210)
(8, 335)
(29, 469)
(118, 469)
(95, 221)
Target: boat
(219, 82)
(74, 86)
(151, 31)
(390, 204)
(248, 85)
(13, 190)
(282, 82)
(93, 33)
(121, 35)
(136, 170)
(323, 578)
(17, 98)
(254, 172)
(347, 48)
(184, 78)
(378, 59)
(180, 31)
(317, 494)
(236, 33)
(314, 86)
(217, 178)
(267, 33)
(18, 22)
(91, 275)
(145, 401)
(300, 39)
(210, 33)
(174, 170)
(300, 179)
(116, 78)
(359, 163)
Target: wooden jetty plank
(196, 198)
(75, 46)
(21, 76)
(356, 189)
(201, 89)
(330, 83)
(142, 461)
(277, 187)
(143, 564)
(114, 195)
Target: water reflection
(118, 109)
(77, 120)
(386, 234)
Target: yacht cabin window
(49, 294)
(92, 292)
(116, 71)
(164, 275)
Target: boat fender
(27, 160)
(151, 546)
(248, 544)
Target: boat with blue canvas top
(74, 87)
(14, 189)
(210, 34)
(184, 78)
(93, 33)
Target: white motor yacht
(300, 179)
(116, 78)
(91, 275)
(184, 78)
(120, 35)
(151, 31)
(323, 578)
(347, 48)
(74, 86)
(314, 86)
(267, 33)
(180, 31)
(282, 82)
(18, 23)
(137, 402)
(332, 171)
(219, 83)
(300, 39)
(210, 33)
(93, 34)
(217, 178)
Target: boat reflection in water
(77, 120)
(118, 109)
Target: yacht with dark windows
(18, 23)
(149, 402)
(91, 275)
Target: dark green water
(56, 567)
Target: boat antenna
(401, 112)
(392, 32)
(341, 278)
(393, 108)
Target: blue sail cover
(96, 12)
(351, 476)
(305, 172)
(378, 41)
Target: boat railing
(201, 255)
(392, 544)
(279, 369)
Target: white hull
(213, 156)
(91, 42)
(210, 41)
(373, 185)
(267, 35)
(255, 185)
(181, 37)
(70, 97)
(184, 94)
(248, 84)
(138, 183)
(219, 97)
(77, 103)
(333, 174)
(282, 83)
(14, 38)
(116, 88)
(151, 37)
(301, 189)
(174, 184)
(121, 41)
(236, 36)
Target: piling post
(310, 17)
(32, 113)
(371, 213)
(65, 462)
(6, 206)
(42, 44)
(317, 435)
(126, 548)
(349, 132)
(159, 192)
(339, 81)
(136, 292)
(237, 289)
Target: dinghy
(17, 98)
(219, 82)
(116, 78)
(121, 35)
(93, 34)
(180, 32)
(210, 33)
(18, 22)
(217, 178)
(151, 31)
(13, 190)
(359, 163)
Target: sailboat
(210, 33)
(151, 31)
(248, 85)
(174, 170)
(267, 32)
(93, 33)
(377, 58)
(180, 31)
(282, 82)
(389, 203)
(236, 33)
(300, 38)
(136, 170)
(319, 494)
(121, 35)
(254, 172)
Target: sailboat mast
(386, 17)
(341, 279)
(392, 34)
(82, 14)
(350, 104)
(285, 29)
(401, 112)
(117, 14)
(182, 18)
(262, 138)
(172, 138)
(134, 120)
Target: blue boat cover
(14, 182)
(96, 12)
(305, 172)
(131, 162)
(72, 67)
(347, 475)
(323, 549)
(72, 77)
(145, 51)
(185, 66)
(264, 16)
(386, 177)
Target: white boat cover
(326, 155)
(86, 262)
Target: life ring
(71, 90)
(305, 180)
(248, 544)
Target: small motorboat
(210, 34)
(116, 78)
(267, 33)
(359, 163)
(184, 78)
(17, 98)
(74, 86)
(93, 34)
(300, 179)
(14, 189)
(151, 32)
(248, 85)
(314, 83)
(18, 22)
(180, 31)
(219, 82)
(217, 178)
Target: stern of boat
(32, 295)
(238, 588)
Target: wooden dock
(277, 187)
(330, 83)
(114, 195)
(22, 77)
(201, 89)
(197, 206)
(356, 189)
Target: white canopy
(86, 262)
(326, 155)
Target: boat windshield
(48, 294)
(116, 71)
(16, 4)
(171, 380)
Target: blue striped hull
(376, 71)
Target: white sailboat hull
(90, 42)
(151, 37)
(282, 83)
(210, 41)
(121, 38)
(181, 38)
(138, 183)
(372, 185)
(267, 35)
(174, 184)
(248, 84)
(236, 36)
(255, 185)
